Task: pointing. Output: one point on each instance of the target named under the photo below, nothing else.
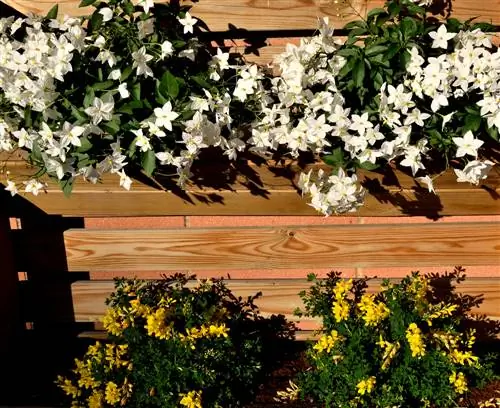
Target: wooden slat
(264, 190)
(279, 297)
(276, 14)
(275, 248)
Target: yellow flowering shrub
(411, 344)
(175, 344)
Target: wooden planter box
(56, 253)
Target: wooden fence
(47, 256)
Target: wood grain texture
(259, 190)
(276, 14)
(284, 248)
(278, 297)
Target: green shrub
(409, 345)
(172, 344)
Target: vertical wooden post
(9, 310)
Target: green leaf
(493, 132)
(201, 82)
(367, 165)
(129, 107)
(128, 7)
(335, 159)
(86, 145)
(101, 86)
(28, 121)
(52, 14)
(136, 91)
(126, 73)
(472, 123)
(88, 100)
(85, 3)
(112, 126)
(96, 21)
(77, 114)
(348, 52)
(359, 73)
(392, 50)
(373, 50)
(66, 186)
(356, 24)
(378, 81)
(36, 153)
(169, 85)
(409, 27)
(149, 162)
(375, 12)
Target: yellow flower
(191, 400)
(112, 393)
(441, 310)
(366, 386)
(84, 371)
(390, 350)
(290, 394)
(113, 321)
(68, 387)
(415, 340)
(372, 312)
(459, 382)
(95, 400)
(327, 342)
(463, 357)
(218, 331)
(156, 326)
(341, 288)
(340, 310)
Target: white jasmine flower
(155, 130)
(441, 37)
(165, 115)
(141, 58)
(107, 14)
(446, 119)
(125, 181)
(11, 188)
(474, 171)
(71, 134)
(166, 49)
(360, 123)
(428, 182)
(33, 186)
(187, 22)
(101, 109)
(467, 145)
(115, 74)
(188, 53)
(122, 88)
(145, 28)
(146, 5)
(412, 159)
(141, 140)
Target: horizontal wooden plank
(284, 248)
(278, 297)
(259, 190)
(276, 14)
(100, 335)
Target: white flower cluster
(305, 120)
(35, 65)
(304, 109)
